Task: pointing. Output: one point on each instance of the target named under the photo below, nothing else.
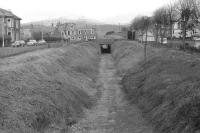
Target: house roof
(6, 13)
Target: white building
(150, 36)
(177, 31)
(9, 25)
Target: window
(17, 24)
(68, 32)
(92, 37)
(9, 33)
(179, 26)
(79, 32)
(92, 31)
(9, 22)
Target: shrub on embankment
(169, 92)
(46, 91)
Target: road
(112, 114)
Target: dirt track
(112, 114)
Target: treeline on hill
(110, 32)
(184, 12)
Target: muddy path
(112, 114)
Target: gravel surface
(112, 114)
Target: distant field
(10, 51)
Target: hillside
(46, 25)
(79, 22)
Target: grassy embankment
(12, 51)
(47, 90)
(169, 94)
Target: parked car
(41, 42)
(15, 44)
(196, 38)
(18, 43)
(22, 43)
(32, 43)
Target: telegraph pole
(3, 32)
(146, 25)
(145, 46)
(42, 35)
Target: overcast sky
(110, 11)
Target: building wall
(71, 32)
(150, 37)
(11, 28)
(26, 34)
(177, 31)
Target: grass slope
(169, 94)
(47, 90)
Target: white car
(18, 43)
(22, 43)
(196, 38)
(197, 44)
(31, 43)
(40, 42)
(15, 44)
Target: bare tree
(172, 17)
(161, 22)
(141, 24)
(189, 15)
(146, 22)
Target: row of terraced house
(66, 31)
(176, 33)
(71, 32)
